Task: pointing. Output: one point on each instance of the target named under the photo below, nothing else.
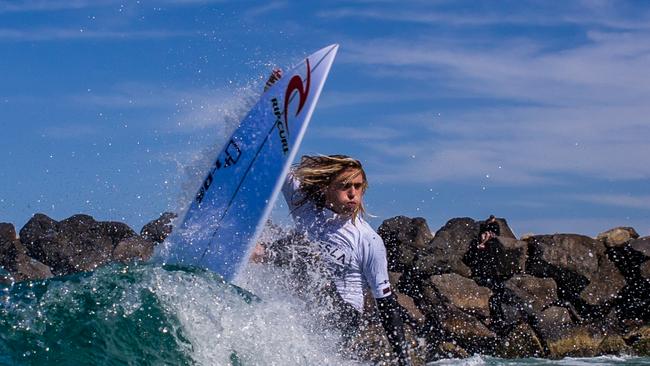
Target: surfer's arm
(389, 313)
(376, 274)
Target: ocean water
(152, 315)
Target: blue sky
(536, 111)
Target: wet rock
(157, 230)
(467, 331)
(133, 248)
(14, 258)
(613, 344)
(639, 339)
(404, 237)
(78, 243)
(521, 342)
(553, 323)
(617, 236)
(445, 252)
(579, 265)
(534, 293)
(581, 341)
(463, 293)
(632, 260)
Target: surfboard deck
(220, 227)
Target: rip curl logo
(229, 156)
(295, 84)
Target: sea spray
(148, 315)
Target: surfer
(325, 196)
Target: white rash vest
(354, 253)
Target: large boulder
(579, 265)
(463, 293)
(133, 248)
(534, 293)
(632, 260)
(78, 243)
(158, 229)
(617, 236)
(404, 238)
(445, 252)
(521, 342)
(14, 258)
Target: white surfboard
(220, 227)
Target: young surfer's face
(344, 194)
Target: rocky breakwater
(45, 247)
(465, 290)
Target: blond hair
(316, 173)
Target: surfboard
(220, 227)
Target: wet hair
(316, 173)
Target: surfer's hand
(276, 74)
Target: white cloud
(58, 34)
(617, 200)
(606, 14)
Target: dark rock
(521, 342)
(553, 322)
(578, 264)
(496, 261)
(29, 269)
(78, 243)
(157, 230)
(132, 248)
(631, 259)
(14, 258)
(639, 339)
(404, 237)
(467, 331)
(535, 293)
(8, 244)
(446, 250)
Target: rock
(631, 259)
(463, 293)
(157, 230)
(581, 341)
(579, 265)
(132, 248)
(14, 258)
(613, 344)
(644, 270)
(8, 244)
(521, 342)
(617, 236)
(78, 243)
(445, 252)
(404, 237)
(29, 269)
(553, 322)
(447, 350)
(535, 293)
(467, 331)
(639, 338)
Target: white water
(282, 329)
